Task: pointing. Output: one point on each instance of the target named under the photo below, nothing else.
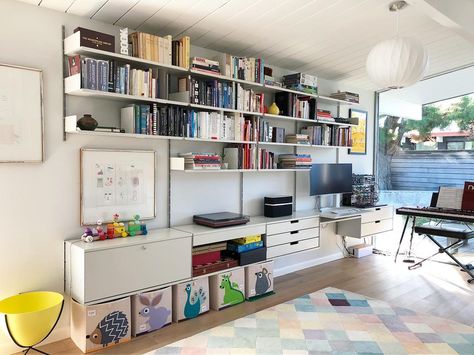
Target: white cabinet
(291, 236)
(112, 268)
(372, 221)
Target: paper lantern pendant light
(398, 62)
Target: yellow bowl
(30, 317)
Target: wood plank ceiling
(330, 38)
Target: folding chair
(459, 234)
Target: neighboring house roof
(450, 134)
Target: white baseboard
(306, 264)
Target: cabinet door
(112, 272)
(375, 227)
(377, 214)
(284, 238)
(293, 247)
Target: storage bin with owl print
(151, 310)
(227, 288)
(190, 298)
(258, 279)
(95, 327)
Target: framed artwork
(117, 181)
(359, 133)
(21, 115)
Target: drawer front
(224, 235)
(377, 214)
(296, 224)
(376, 227)
(284, 238)
(117, 271)
(293, 247)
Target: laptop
(220, 219)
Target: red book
(468, 196)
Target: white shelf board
(214, 108)
(218, 140)
(337, 124)
(285, 144)
(216, 170)
(283, 170)
(277, 88)
(333, 100)
(289, 118)
(122, 97)
(122, 135)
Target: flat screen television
(327, 179)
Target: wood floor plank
(435, 289)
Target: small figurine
(87, 236)
(100, 230)
(135, 227)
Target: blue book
(137, 118)
(102, 75)
(122, 80)
(91, 70)
(244, 247)
(144, 110)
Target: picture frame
(21, 114)
(117, 182)
(359, 132)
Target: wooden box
(258, 279)
(102, 325)
(96, 40)
(151, 310)
(190, 299)
(227, 288)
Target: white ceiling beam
(455, 15)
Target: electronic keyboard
(435, 212)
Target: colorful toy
(91, 234)
(135, 227)
(116, 229)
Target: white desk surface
(196, 229)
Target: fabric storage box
(151, 310)
(102, 325)
(258, 279)
(278, 206)
(227, 288)
(190, 299)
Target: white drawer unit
(376, 227)
(292, 225)
(282, 238)
(291, 236)
(377, 214)
(292, 247)
(109, 269)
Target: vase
(87, 123)
(273, 109)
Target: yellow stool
(30, 317)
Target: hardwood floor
(435, 289)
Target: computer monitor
(330, 179)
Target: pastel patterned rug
(330, 321)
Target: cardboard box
(258, 279)
(227, 288)
(151, 310)
(190, 299)
(102, 325)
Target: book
(74, 65)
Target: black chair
(459, 234)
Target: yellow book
(248, 239)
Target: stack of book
(294, 161)
(324, 115)
(107, 75)
(301, 82)
(245, 244)
(201, 161)
(215, 125)
(180, 53)
(249, 69)
(211, 93)
(298, 139)
(266, 159)
(240, 156)
(154, 120)
(268, 133)
(205, 65)
(151, 47)
(346, 96)
(329, 135)
(249, 100)
(296, 106)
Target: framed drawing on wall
(21, 115)
(359, 132)
(117, 181)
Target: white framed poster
(117, 182)
(21, 114)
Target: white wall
(40, 202)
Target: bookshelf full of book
(222, 100)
